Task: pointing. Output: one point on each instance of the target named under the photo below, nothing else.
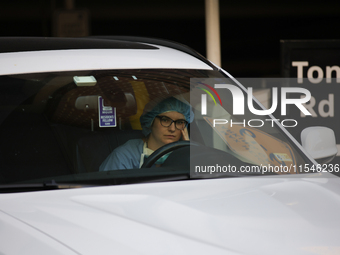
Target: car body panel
(230, 216)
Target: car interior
(67, 123)
(51, 125)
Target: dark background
(250, 30)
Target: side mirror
(320, 143)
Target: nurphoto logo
(239, 102)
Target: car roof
(13, 44)
(38, 54)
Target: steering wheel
(164, 150)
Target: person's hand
(185, 134)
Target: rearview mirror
(320, 143)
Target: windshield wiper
(179, 177)
(27, 187)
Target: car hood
(217, 216)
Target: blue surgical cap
(168, 105)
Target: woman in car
(165, 123)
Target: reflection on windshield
(254, 146)
(253, 139)
(62, 126)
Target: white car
(67, 103)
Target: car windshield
(62, 126)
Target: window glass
(63, 125)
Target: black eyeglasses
(166, 122)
